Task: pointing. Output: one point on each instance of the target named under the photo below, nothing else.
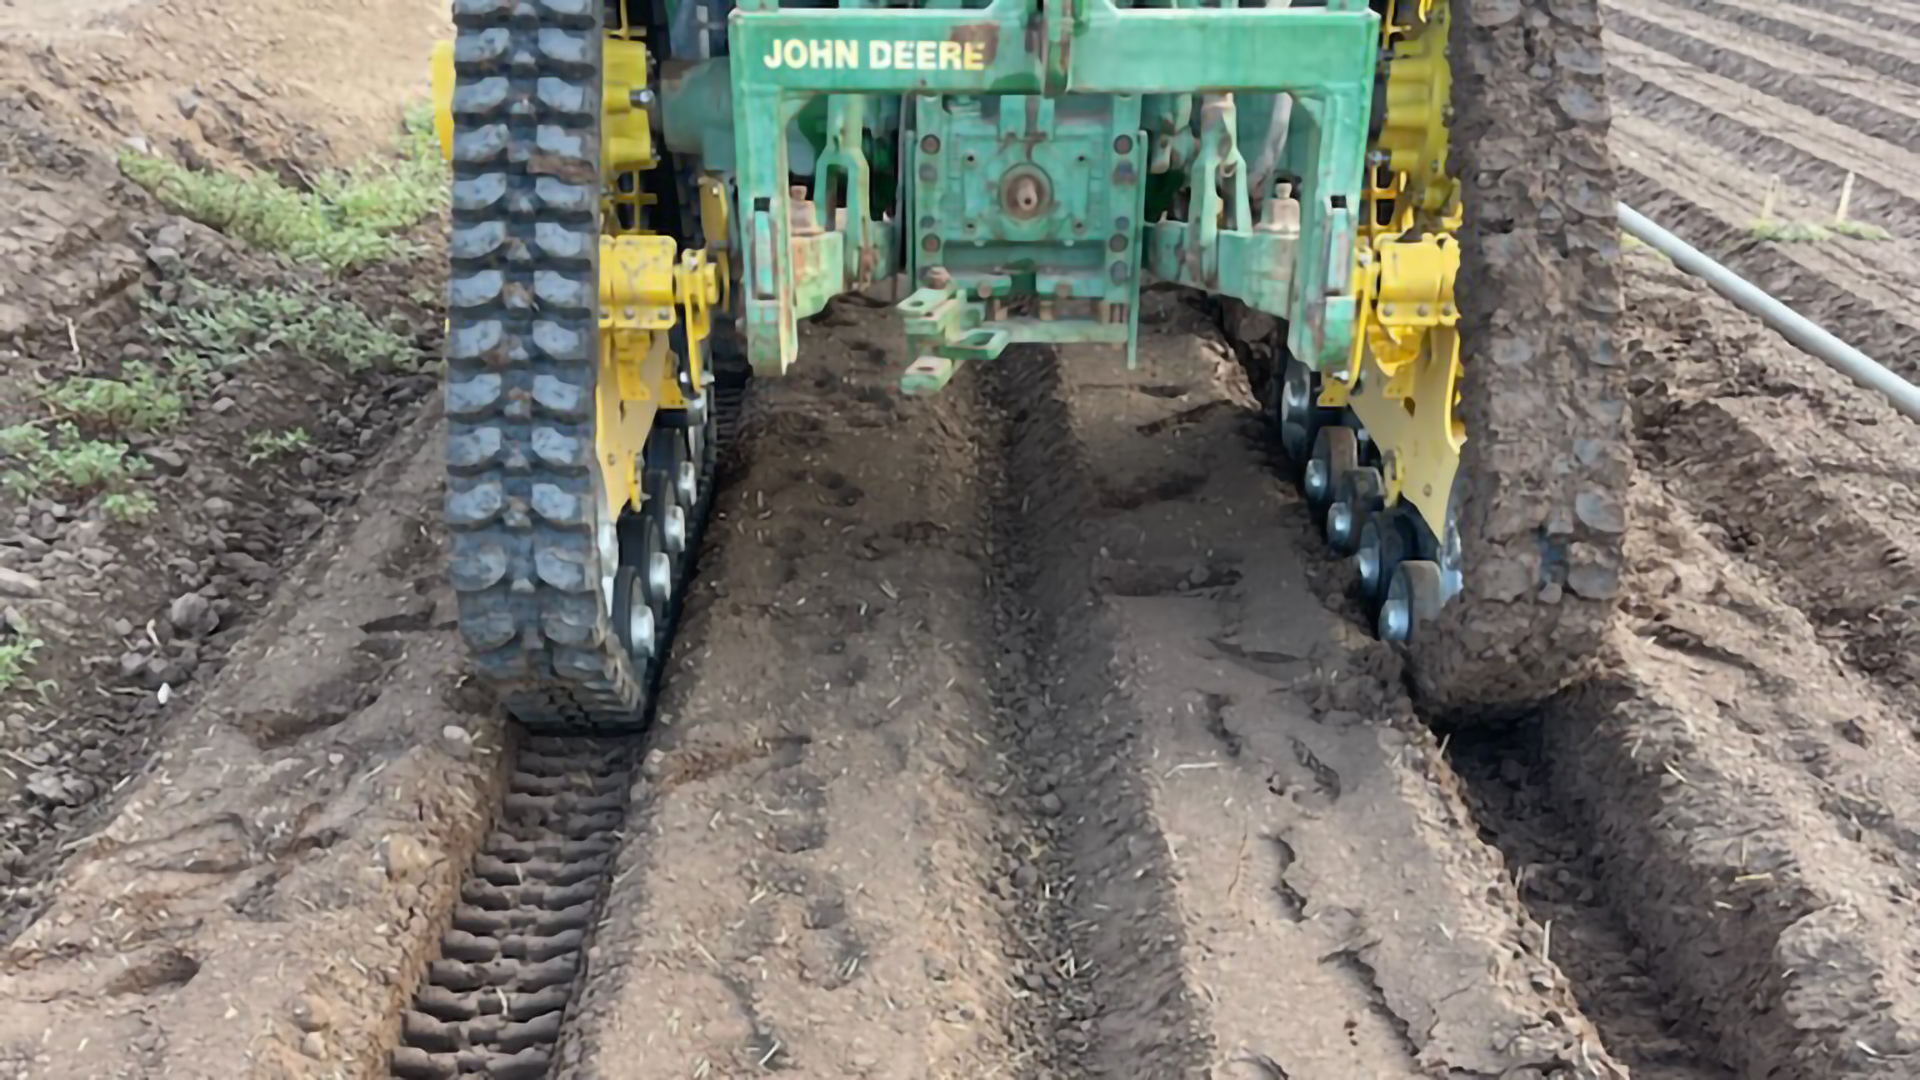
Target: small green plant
(1787, 232)
(262, 445)
(142, 399)
(16, 659)
(1859, 230)
(64, 463)
(349, 218)
(215, 327)
(127, 505)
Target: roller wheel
(1336, 452)
(1387, 539)
(1414, 598)
(1357, 495)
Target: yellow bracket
(697, 287)
(637, 282)
(713, 222)
(440, 81)
(1406, 363)
(626, 141)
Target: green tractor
(648, 194)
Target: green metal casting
(1028, 135)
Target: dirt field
(1026, 732)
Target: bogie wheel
(1336, 452)
(1297, 410)
(1356, 496)
(1414, 597)
(1387, 539)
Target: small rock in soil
(166, 462)
(458, 740)
(193, 614)
(16, 583)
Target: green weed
(1859, 230)
(64, 463)
(1787, 232)
(216, 327)
(142, 399)
(262, 445)
(349, 218)
(127, 505)
(16, 659)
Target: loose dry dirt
(1025, 732)
(134, 617)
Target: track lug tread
(1544, 392)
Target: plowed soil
(1023, 732)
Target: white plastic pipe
(1793, 326)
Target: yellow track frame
(1402, 378)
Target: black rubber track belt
(1542, 524)
(522, 357)
(514, 955)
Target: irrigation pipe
(1793, 326)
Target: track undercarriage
(649, 195)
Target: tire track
(859, 849)
(1866, 117)
(493, 1002)
(1841, 48)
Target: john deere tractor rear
(1418, 191)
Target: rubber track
(1544, 391)
(522, 358)
(514, 955)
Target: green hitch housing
(1031, 141)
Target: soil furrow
(835, 867)
(1339, 915)
(1840, 44)
(1147, 815)
(1846, 285)
(1827, 513)
(1862, 15)
(1812, 152)
(1714, 778)
(1836, 76)
(1866, 117)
